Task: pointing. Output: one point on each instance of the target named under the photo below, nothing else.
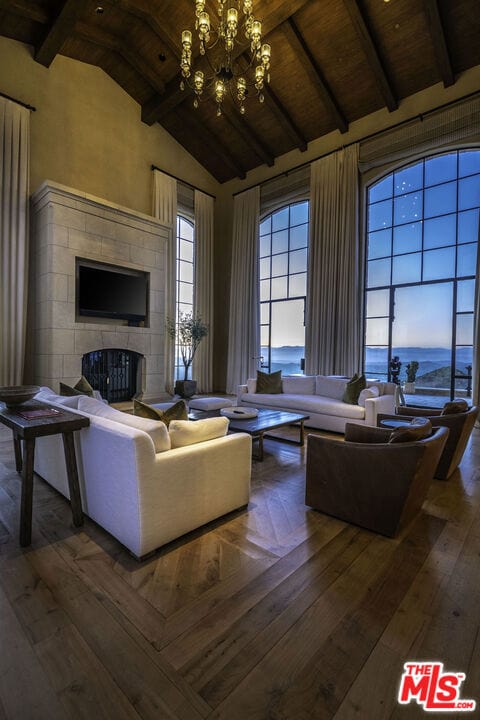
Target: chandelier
(221, 74)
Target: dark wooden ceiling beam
(25, 9)
(113, 43)
(315, 74)
(240, 124)
(143, 11)
(59, 31)
(439, 41)
(371, 53)
(204, 137)
(160, 105)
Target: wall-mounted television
(111, 291)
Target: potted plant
(412, 369)
(188, 333)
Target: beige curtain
(14, 174)
(165, 209)
(203, 288)
(333, 335)
(476, 337)
(244, 326)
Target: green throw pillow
(82, 387)
(270, 383)
(454, 406)
(176, 412)
(353, 389)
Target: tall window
(423, 233)
(185, 263)
(283, 283)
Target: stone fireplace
(67, 224)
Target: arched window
(423, 233)
(283, 283)
(185, 278)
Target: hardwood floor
(275, 613)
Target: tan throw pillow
(270, 383)
(354, 388)
(418, 429)
(176, 412)
(454, 406)
(190, 432)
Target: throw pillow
(155, 430)
(270, 383)
(354, 388)
(82, 387)
(418, 429)
(178, 411)
(369, 392)
(455, 406)
(189, 433)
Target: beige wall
(87, 132)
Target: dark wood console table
(28, 430)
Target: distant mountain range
(434, 363)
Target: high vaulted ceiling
(333, 62)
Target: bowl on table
(15, 395)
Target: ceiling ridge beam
(109, 41)
(249, 136)
(371, 52)
(158, 106)
(439, 40)
(315, 74)
(59, 31)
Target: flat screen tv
(110, 291)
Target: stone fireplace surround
(67, 224)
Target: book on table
(37, 413)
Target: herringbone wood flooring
(277, 612)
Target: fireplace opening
(114, 373)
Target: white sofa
(320, 397)
(135, 484)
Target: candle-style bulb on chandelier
(219, 72)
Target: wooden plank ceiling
(333, 61)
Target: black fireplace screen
(112, 372)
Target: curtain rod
(154, 167)
(19, 102)
(420, 116)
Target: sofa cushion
(418, 429)
(269, 382)
(177, 411)
(307, 404)
(454, 406)
(252, 385)
(188, 432)
(353, 389)
(156, 430)
(368, 392)
(330, 387)
(299, 385)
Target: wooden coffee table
(259, 427)
(28, 430)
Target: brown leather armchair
(368, 481)
(460, 426)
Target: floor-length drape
(14, 172)
(165, 209)
(244, 325)
(333, 320)
(476, 337)
(203, 288)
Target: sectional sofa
(320, 397)
(144, 484)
